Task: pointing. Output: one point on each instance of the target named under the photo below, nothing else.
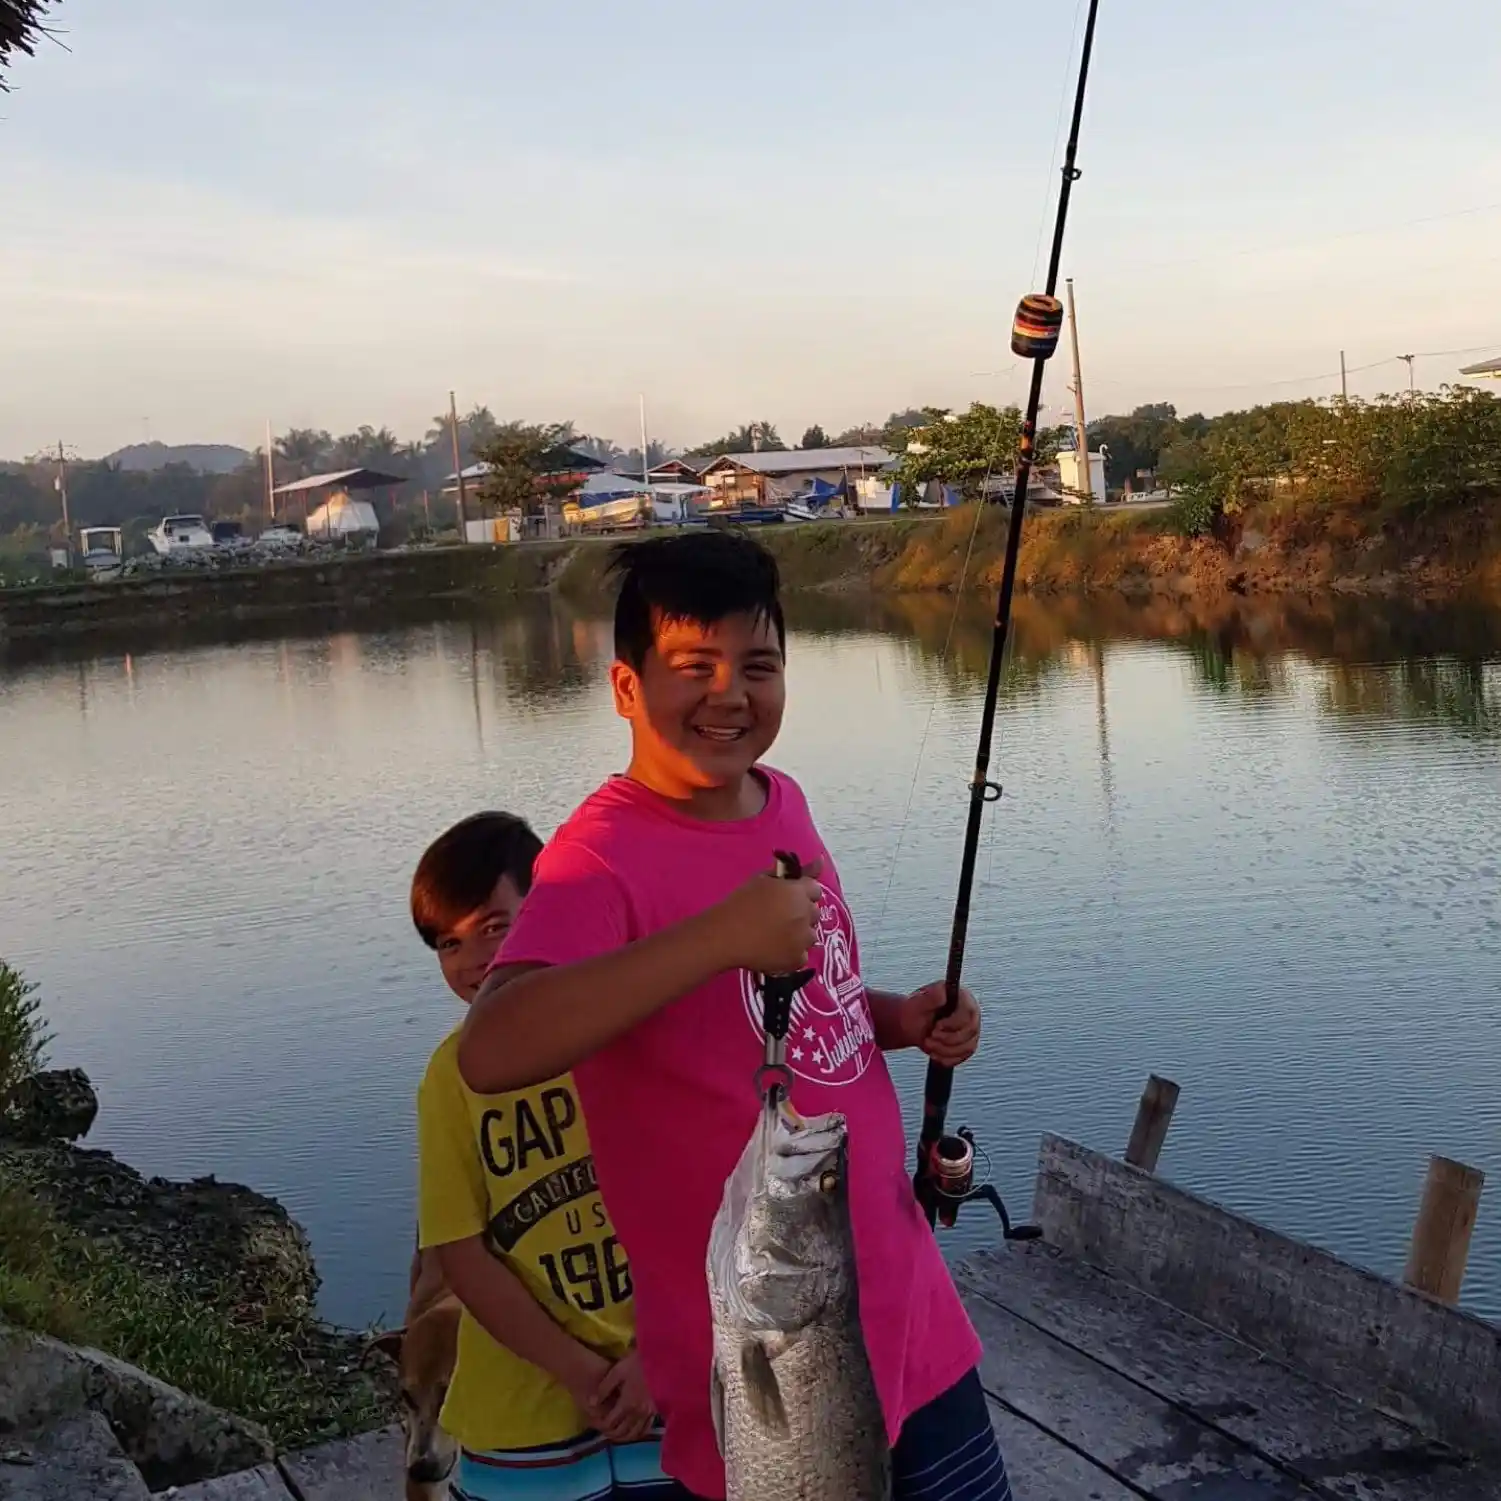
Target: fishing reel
(949, 1184)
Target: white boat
(103, 549)
(176, 534)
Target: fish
(794, 1403)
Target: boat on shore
(177, 534)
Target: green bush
(1196, 509)
(23, 1035)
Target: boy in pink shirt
(633, 963)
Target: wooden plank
(262, 1484)
(368, 1468)
(1142, 1441)
(1379, 1342)
(1041, 1469)
(1347, 1450)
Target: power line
(1344, 234)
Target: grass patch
(286, 1372)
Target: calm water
(1257, 854)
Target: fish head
(796, 1253)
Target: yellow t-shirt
(518, 1167)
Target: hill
(207, 458)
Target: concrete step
(263, 1484)
(368, 1468)
(75, 1458)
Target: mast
(1084, 473)
(270, 476)
(62, 490)
(461, 501)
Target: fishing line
(1047, 197)
(1314, 244)
(922, 745)
(943, 1178)
(990, 467)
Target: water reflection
(1248, 844)
(1371, 659)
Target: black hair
(459, 869)
(698, 576)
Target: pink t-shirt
(671, 1104)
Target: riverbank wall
(1131, 554)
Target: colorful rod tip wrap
(1039, 322)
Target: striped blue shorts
(588, 1468)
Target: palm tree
(303, 449)
(20, 28)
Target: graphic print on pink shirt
(830, 1040)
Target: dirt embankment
(1323, 551)
(1138, 555)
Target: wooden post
(1153, 1116)
(1441, 1237)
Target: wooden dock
(1155, 1345)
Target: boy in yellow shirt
(547, 1400)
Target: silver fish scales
(794, 1401)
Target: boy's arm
(886, 1019)
(500, 1303)
(452, 1214)
(534, 1018)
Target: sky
(215, 213)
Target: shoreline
(207, 1286)
(1135, 556)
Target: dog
(424, 1351)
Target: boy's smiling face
(466, 950)
(706, 704)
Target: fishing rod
(944, 1177)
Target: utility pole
(1344, 389)
(61, 484)
(1409, 358)
(458, 469)
(270, 476)
(645, 458)
(1085, 474)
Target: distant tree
(528, 466)
(366, 448)
(20, 30)
(962, 449)
(897, 427)
(304, 451)
(890, 434)
(629, 459)
(814, 437)
(477, 427)
(754, 437)
(606, 450)
(1134, 442)
(863, 435)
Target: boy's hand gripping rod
(774, 1078)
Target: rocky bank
(217, 1246)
